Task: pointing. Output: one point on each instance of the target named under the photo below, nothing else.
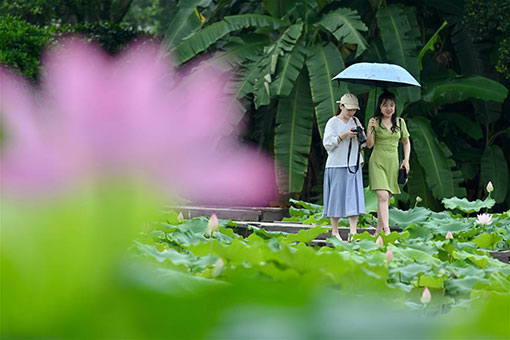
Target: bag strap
(349, 151)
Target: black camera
(361, 137)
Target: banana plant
(297, 53)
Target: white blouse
(337, 153)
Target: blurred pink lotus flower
(484, 219)
(132, 116)
(379, 242)
(490, 187)
(389, 255)
(449, 236)
(425, 297)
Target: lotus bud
(389, 255)
(449, 236)
(441, 271)
(484, 219)
(418, 199)
(425, 297)
(490, 187)
(379, 242)
(212, 225)
(180, 217)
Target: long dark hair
(386, 95)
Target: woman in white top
(343, 180)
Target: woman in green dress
(385, 131)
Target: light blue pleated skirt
(343, 193)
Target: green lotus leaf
(486, 240)
(460, 286)
(405, 218)
(467, 206)
(409, 273)
(430, 281)
(307, 235)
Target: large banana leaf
(186, 21)
(289, 67)
(435, 158)
(401, 38)
(346, 25)
(243, 83)
(207, 36)
(323, 63)
(285, 44)
(495, 169)
(239, 50)
(454, 89)
(293, 136)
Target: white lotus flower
(484, 219)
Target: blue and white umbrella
(378, 75)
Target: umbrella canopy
(378, 75)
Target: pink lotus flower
(425, 297)
(441, 271)
(449, 236)
(132, 117)
(489, 187)
(484, 219)
(389, 255)
(379, 242)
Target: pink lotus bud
(389, 255)
(212, 225)
(180, 217)
(425, 297)
(484, 219)
(441, 271)
(490, 187)
(449, 236)
(379, 242)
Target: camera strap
(349, 152)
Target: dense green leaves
(435, 157)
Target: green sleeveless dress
(384, 164)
